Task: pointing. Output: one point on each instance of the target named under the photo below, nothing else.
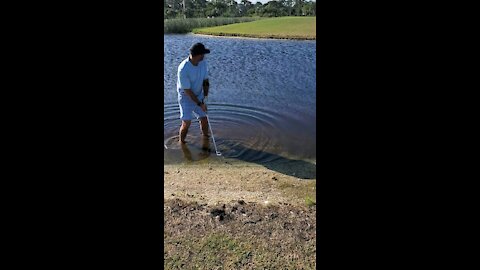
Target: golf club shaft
(213, 137)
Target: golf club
(210, 126)
(213, 138)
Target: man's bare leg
(184, 130)
(204, 126)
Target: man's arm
(206, 87)
(190, 93)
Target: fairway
(283, 27)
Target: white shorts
(189, 110)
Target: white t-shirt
(191, 77)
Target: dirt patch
(238, 235)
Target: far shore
(246, 36)
(292, 28)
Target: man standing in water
(192, 88)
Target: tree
(172, 8)
(244, 7)
(297, 7)
(232, 8)
(198, 8)
(274, 9)
(309, 9)
(257, 8)
(216, 8)
(288, 4)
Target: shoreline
(225, 182)
(247, 36)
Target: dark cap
(198, 48)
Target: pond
(261, 105)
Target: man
(192, 88)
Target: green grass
(206, 253)
(310, 201)
(283, 27)
(224, 251)
(182, 26)
(300, 192)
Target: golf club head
(218, 153)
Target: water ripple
(262, 99)
(248, 133)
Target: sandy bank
(227, 182)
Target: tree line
(230, 8)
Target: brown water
(262, 100)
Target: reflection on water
(203, 153)
(261, 104)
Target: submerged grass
(182, 26)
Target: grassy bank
(182, 26)
(238, 235)
(283, 27)
(235, 215)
